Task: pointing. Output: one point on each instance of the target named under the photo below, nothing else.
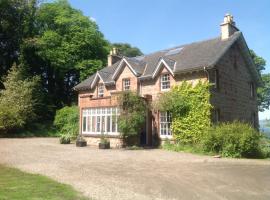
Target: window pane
(108, 123)
(93, 124)
(84, 124)
(88, 123)
(103, 124)
(98, 123)
(114, 123)
(165, 123)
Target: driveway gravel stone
(120, 174)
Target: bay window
(100, 120)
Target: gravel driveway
(139, 174)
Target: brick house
(224, 61)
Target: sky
(152, 25)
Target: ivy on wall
(190, 109)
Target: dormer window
(165, 82)
(126, 84)
(100, 90)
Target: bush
(65, 139)
(67, 121)
(232, 140)
(265, 147)
(132, 116)
(104, 139)
(17, 100)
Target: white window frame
(165, 83)
(100, 117)
(126, 84)
(101, 90)
(165, 122)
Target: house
(224, 61)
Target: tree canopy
(18, 101)
(263, 91)
(126, 49)
(52, 41)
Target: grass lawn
(18, 185)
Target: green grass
(18, 185)
(185, 148)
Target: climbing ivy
(190, 108)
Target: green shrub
(104, 139)
(265, 147)
(132, 116)
(65, 139)
(232, 140)
(67, 121)
(17, 100)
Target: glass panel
(114, 123)
(84, 124)
(98, 123)
(103, 124)
(88, 123)
(108, 124)
(93, 124)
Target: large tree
(263, 90)
(15, 24)
(67, 45)
(126, 49)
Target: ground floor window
(165, 121)
(100, 120)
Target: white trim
(119, 68)
(167, 126)
(95, 80)
(103, 114)
(162, 61)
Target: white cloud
(93, 19)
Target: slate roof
(189, 57)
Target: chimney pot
(228, 27)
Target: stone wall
(233, 97)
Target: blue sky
(153, 25)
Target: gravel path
(139, 174)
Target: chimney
(113, 57)
(228, 27)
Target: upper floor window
(126, 84)
(252, 90)
(100, 90)
(165, 82)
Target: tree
(67, 48)
(15, 24)
(132, 114)
(263, 91)
(126, 49)
(18, 100)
